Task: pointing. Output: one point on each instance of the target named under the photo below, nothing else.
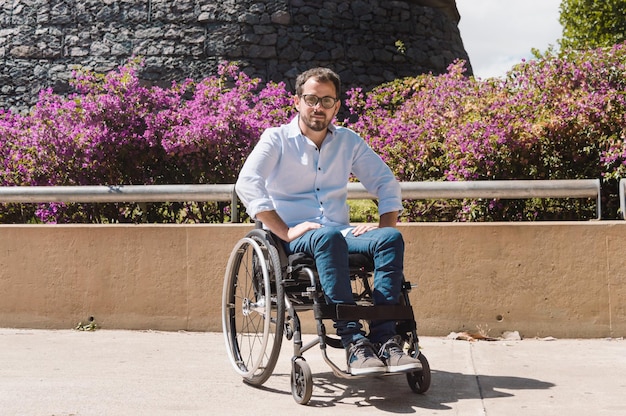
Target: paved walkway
(106, 372)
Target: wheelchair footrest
(343, 312)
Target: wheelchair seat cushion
(299, 260)
(360, 262)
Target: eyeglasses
(312, 100)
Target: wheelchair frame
(264, 290)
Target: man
(294, 182)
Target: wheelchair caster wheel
(419, 381)
(301, 381)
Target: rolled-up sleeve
(378, 179)
(251, 183)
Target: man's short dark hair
(321, 75)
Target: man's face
(317, 117)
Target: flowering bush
(115, 131)
(559, 116)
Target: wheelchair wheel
(301, 381)
(419, 381)
(253, 307)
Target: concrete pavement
(112, 372)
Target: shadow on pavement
(393, 394)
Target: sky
(498, 34)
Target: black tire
(301, 381)
(419, 381)
(253, 307)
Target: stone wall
(366, 41)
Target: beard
(317, 123)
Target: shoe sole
(368, 371)
(407, 368)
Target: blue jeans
(330, 250)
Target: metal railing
(122, 193)
(500, 189)
(496, 189)
(622, 197)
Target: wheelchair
(264, 292)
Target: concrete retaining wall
(561, 279)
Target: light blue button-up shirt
(288, 173)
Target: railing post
(599, 200)
(234, 211)
(622, 197)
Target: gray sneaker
(362, 359)
(395, 359)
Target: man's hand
(388, 219)
(272, 220)
(362, 229)
(300, 229)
